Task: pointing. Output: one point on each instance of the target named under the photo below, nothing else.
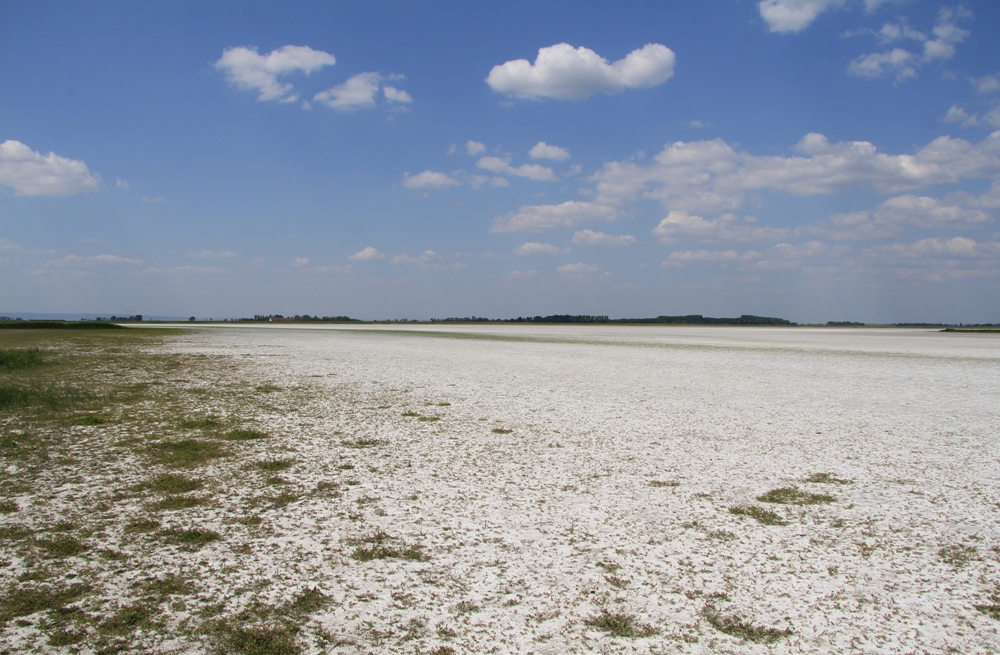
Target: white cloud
(502, 166)
(793, 15)
(300, 262)
(680, 257)
(474, 148)
(213, 254)
(679, 225)
(367, 254)
(429, 259)
(956, 247)
(428, 179)
(567, 73)
(356, 93)
(591, 238)
(121, 184)
(712, 177)
(580, 270)
(532, 248)
(902, 63)
(31, 173)
(892, 216)
(986, 84)
(542, 150)
(392, 94)
(523, 275)
(247, 70)
(532, 218)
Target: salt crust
(611, 491)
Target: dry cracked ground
(445, 492)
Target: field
(499, 489)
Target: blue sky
(810, 159)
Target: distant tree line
(299, 318)
(690, 319)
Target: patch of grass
(61, 546)
(958, 555)
(736, 626)
(619, 624)
(15, 532)
(384, 546)
(172, 483)
(363, 443)
(66, 637)
(826, 478)
(17, 359)
(991, 609)
(142, 525)
(22, 601)
(52, 397)
(793, 496)
(258, 639)
(429, 418)
(204, 423)
(89, 419)
(170, 584)
(177, 502)
(245, 435)
(765, 516)
(410, 413)
(8, 507)
(267, 388)
(283, 499)
(187, 452)
(272, 465)
(664, 483)
(501, 431)
(192, 537)
(128, 619)
(308, 601)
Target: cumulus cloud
(429, 259)
(904, 64)
(894, 215)
(474, 148)
(563, 72)
(300, 262)
(429, 179)
(248, 70)
(793, 15)
(30, 173)
(542, 150)
(111, 260)
(679, 258)
(986, 84)
(501, 166)
(956, 247)
(591, 238)
(532, 248)
(367, 254)
(713, 177)
(581, 270)
(679, 225)
(532, 218)
(356, 93)
(392, 94)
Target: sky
(815, 160)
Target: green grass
(187, 452)
(205, 423)
(793, 496)
(274, 465)
(663, 483)
(958, 555)
(268, 639)
(384, 546)
(267, 388)
(61, 546)
(245, 435)
(170, 584)
(192, 537)
(171, 483)
(142, 525)
(52, 397)
(89, 419)
(765, 516)
(8, 507)
(501, 431)
(177, 502)
(736, 626)
(826, 478)
(24, 601)
(128, 619)
(619, 624)
(16, 359)
(308, 601)
(363, 443)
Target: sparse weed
(272, 465)
(664, 483)
(958, 555)
(170, 584)
(89, 419)
(245, 435)
(267, 639)
(736, 626)
(61, 546)
(24, 601)
(793, 496)
(8, 506)
(187, 452)
(204, 423)
(384, 546)
(619, 624)
(501, 431)
(267, 388)
(171, 483)
(192, 537)
(826, 478)
(765, 516)
(16, 359)
(363, 443)
(142, 525)
(128, 619)
(178, 502)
